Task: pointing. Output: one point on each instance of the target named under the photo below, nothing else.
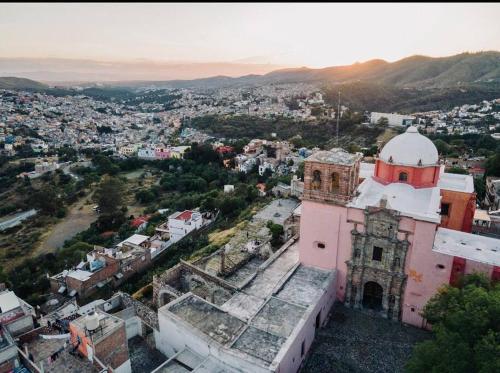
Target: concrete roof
(135, 239)
(469, 246)
(260, 344)
(277, 211)
(335, 155)
(456, 182)
(79, 274)
(421, 204)
(304, 286)
(8, 301)
(219, 325)
(258, 319)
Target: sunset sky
(314, 35)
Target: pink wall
(424, 275)
(159, 154)
(328, 224)
(471, 267)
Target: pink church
(395, 233)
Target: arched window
(403, 176)
(335, 182)
(316, 182)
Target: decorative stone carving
(378, 256)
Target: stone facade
(330, 182)
(376, 277)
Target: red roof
(225, 149)
(137, 222)
(186, 215)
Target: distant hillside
(464, 69)
(385, 98)
(20, 83)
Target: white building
(182, 223)
(146, 153)
(395, 120)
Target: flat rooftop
(42, 349)
(277, 211)
(469, 246)
(107, 324)
(456, 182)
(258, 319)
(335, 155)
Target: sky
(290, 34)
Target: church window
(377, 253)
(440, 266)
(445, 209)
(316, 182)
(357, 253)
(335, 182)
(403, 176)
(320, 245)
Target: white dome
(410, 149)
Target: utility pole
(338, 118)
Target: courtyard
(355, 341)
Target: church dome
(410, 149)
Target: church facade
(396, 234)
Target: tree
(109, 197)
(465, 327)
(442, 146)
(457, 170)
(492, 167)
(480, 188)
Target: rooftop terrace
(257, 320)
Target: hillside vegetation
(14, 83)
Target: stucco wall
(424, 275)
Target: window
(445, 209)
(440, 266)
(403, 176)
(316, 182)
(357, 253)
(335, 182)
(303, 349)
(320, 245)
(377, 253)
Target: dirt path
(79, 218)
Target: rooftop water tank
(92, 321)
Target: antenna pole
(338, 118)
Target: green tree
(109, 197)
(465, 327)
(442, 146)
(479, 188)
(457, 170)
(492, 167)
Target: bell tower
(330, 182)
(331, 176)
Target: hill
(20, 83)
(482, 68)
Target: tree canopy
(466, 330)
